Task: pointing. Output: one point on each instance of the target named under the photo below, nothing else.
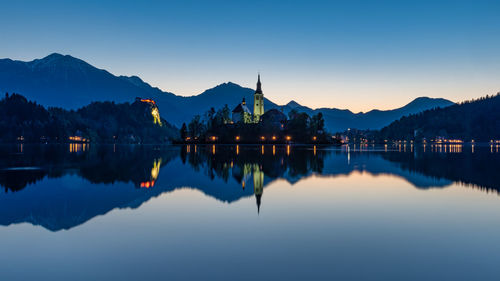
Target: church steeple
(259, 86)
(258, 102)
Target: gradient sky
(346, 54)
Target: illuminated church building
(241, 113)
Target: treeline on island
(477, 120)
(216, 126)
(101, 122)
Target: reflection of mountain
(62, 190)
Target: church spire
(259, 86)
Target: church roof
(240, 108)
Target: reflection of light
(288, 150)
(188, 148)
(274, 150)
(237, 149)
(348, 155)
(76, 147)
(473, 147)
(314, 149)
(213, 149)
(262, 149)
(147, 184)
(156, 169)
(385, 147)
(195, 148)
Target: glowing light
(274, 138)
(148, 101)
(288, 138)
(214, 138)
(156, 115)
(262, 138)
(155, 171)
(314, 138)
(237, 138)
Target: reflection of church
(258, 184)
(248, 172)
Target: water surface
(84, 212)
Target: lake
(227, 212)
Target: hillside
(477, 119)
(101, 122)
(68, 82)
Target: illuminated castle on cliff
(242, 114)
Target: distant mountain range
(477, 120)
(64, 81)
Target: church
(242, 114)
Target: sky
(357, 55)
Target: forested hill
(477, 120)
(102, 122)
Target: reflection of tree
(15, 180)
(99, 164)
(227, 161)
(479, 169)
(253, 164)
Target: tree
(195, 127)
(226, 114)
(317, 123)
(183, 131)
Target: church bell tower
(258, 102)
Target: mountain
(68, 82)
(478, 120)
(338, 120)
(65, 81)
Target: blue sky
(347, 54)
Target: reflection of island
(44, 184)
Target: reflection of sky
(346, 54)
(355, 227)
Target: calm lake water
(80, 212)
